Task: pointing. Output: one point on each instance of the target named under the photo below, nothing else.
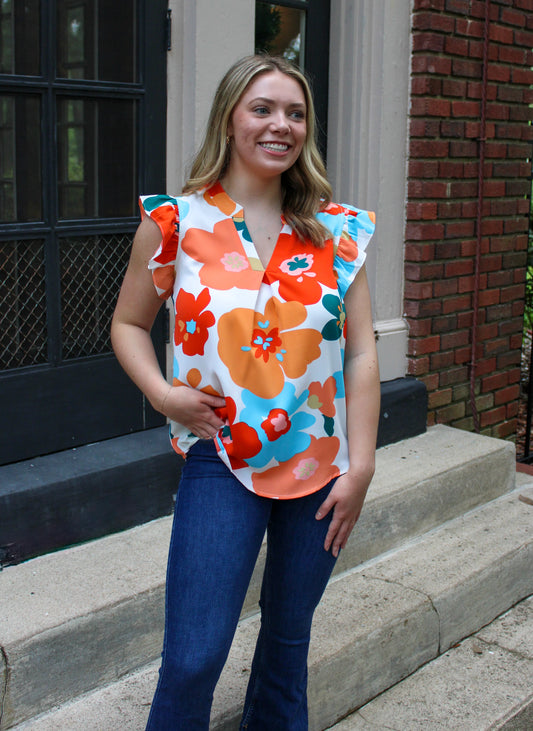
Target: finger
(325, 508)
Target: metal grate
(23, 337)
(92, 269)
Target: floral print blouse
(270, 340)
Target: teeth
(276, 146)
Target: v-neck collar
(226, 205)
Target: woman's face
(268, 126)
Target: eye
(261, 110)
(298, 114)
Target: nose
(280, 122)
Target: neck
(245, 189)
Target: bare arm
(137, 307)
(361, 377)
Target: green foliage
(267, 26)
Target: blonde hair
(305, 187)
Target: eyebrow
(271, 101)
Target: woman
(273, 338)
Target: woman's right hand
(194, 409)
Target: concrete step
(80, 618)
(482, 684)
(377, 624)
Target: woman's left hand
(346, 500)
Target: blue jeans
(216, 536)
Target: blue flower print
(256, 410)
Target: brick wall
(442, 204)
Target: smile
(274, 146)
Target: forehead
(274, 85)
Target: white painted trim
(391, 343)
(367, 141)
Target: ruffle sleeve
(163, 210)
(352, 229)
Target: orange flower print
(301, 274)
(276, 424)
(322, 397)
(224, 262)
(311, 468)
(262, 349)
(191, 324)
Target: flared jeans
(217, 532)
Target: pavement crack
(5, 684)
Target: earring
(227, 140)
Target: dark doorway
(82, 133)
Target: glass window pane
(97, 167)
(96, 39)
(20, 158)
(20, 37)
(280, 31)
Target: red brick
(491, 263)
(506, 394)
(445, 287)
(454, 375)
(427, 189)
(467, 27)
(454, 339)
(463, 148)
(451, 169)
(458, 6)
(428, 148)
(459, 268)
(419, 328)
(433, 21)
(494, 382)
(426, 85)
(423, 346)
(497, 111)
(439, 398)
(422, 63)
(506, 429)
(497, 72)
(465, 108)
(522, 76)
(459, 229)
(493, 347)
(454, 87)
(463, 189)
(427, 41)
(500, 33)
(444, 324)
(419, 252)
(515, 225)
(417, 211)
(424, 107)
(510, 294)
(491, 227)
(423, 168)
(439, 361)
(494, 188)
(422, 308)
(493, 416)
(422, 272)
(512, 17)
(428, 5)
(449, 209)
(424, 231)
(485, 366)
(418, 290)
(505, 360)
(511, 54)
(500, 278)
(418, 366)
(456, 304)
(452, 128)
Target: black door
(82, 133)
